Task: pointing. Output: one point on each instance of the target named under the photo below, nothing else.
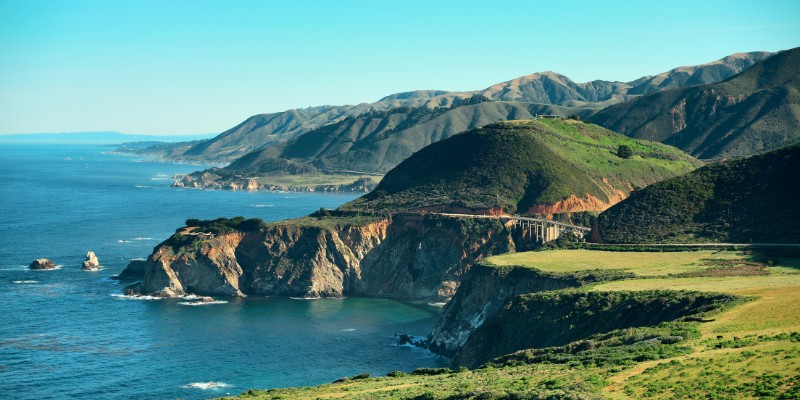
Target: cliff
(558, 318)
(402, 256)
(487, 288)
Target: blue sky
(181, 67)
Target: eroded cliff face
(406, 256)
(483, 293)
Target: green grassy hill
(756, 110)
(753, 199)
(539, 166)
(665, 333)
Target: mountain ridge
(755, 110)
(257, 132)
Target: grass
(522, 164)
(770, 370)
(645, 264)
(757, 356)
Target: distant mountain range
(756, 199)
(545, 92)
(541, 166)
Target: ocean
(67, 333)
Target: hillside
(545, 88)
(756, 110)
(376, 142)
(755, 199)
(262, 130)
(713, 331)
(532, 166)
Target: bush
(624, 151)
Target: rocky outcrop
(134, 271)
(484, 291)
(91, 263)
(403, 256)
(41, 264)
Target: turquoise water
(69, 334)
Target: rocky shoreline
(407, 256)
(208, 180)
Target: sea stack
(91, 263)
(42, 263)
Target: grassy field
(749, 351)
(640, 263)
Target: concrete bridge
(537, 230)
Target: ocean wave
(25, 282)
(206, 385)
(305, 298)
(123, 241)
(143, 186)
(201, 303)
(143, 238)
(121, 296)
(437, 304)
(261, 205)
(349, 330)
(58, 266)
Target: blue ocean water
(66, 333)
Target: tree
(624, 151)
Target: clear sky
(195, 66)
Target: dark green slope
(522, 164)
(756, 110)
(756, 199)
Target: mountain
(754, 111)
(756, 199)
(376, 142)
(262, 130)
(715, 71)
(545, 88)
(553, 88)
(540, 166)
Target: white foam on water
(261, 205)
(143, 238)
(305, 298)
(25, 282)
(143, 186)
(121, 296)
(123, 241)
(58, 266)
(206, 385)
(440, 305)
(201, 303)
(349, 330)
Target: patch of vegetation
(332, 219)
(557, 318)
(520, 164)
(756, 199)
